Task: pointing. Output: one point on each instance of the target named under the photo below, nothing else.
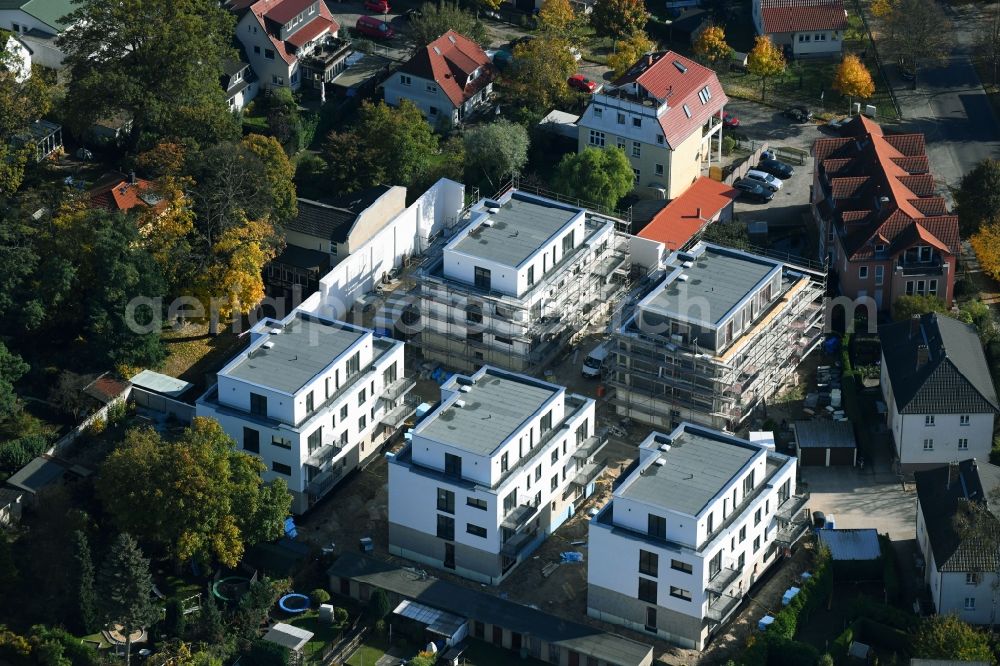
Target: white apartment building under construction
(517, 281)
(717, 335)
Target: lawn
(324, 633)
(369, 652)
(192, 352)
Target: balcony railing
(589, 447)
(323, 455)
(721, 607)
(791, 509)
(588, 473)
(396, 416)
(324, 482)
(519, 516)
(397, 388)
(723, 579)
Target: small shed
(856, 554)
(825, 443)
(37, 475)
(289, 636)
(428, 624)
(561, 123)
(162, 393)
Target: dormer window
(704, 95)
(879, 248)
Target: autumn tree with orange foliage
(765, 61)
(629, 52)
(711, 45)
(986, 243)
(853, 79)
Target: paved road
(950, 107)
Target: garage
(825, 443)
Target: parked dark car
(798, 114)
(776, 168)
(753, 191)
(411, 14)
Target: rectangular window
(621, 118)
(863, 272)
(637, 174)
(963, 444)
(963, 420)
(710, 523)
(502, 340)
(932, 288)
(650, 619)
(389, 375)
(636, 122)
(258, 404)
(256, 50)
(741, 561)
(281, 468)
(715, 565)
(598, 112)
(756, 544)
(554, 458)
(538, 472)
(683, 567)
(531, 275)
(909, 287)
(879, 275)
(554, 483)
(971, 579)
(251, 440)
(647, 590)
(748, 484)
(756, 518)
(310, 403)
(475, 530)
(504, 463)
(431, 88)
(452, 465)
(433, 110)
(510, 501)
(597, 138)
(405, 80)
(476, 503)
(656, 526)
(362, 397)
(659, 139)
(970, 603)
(743, 534)
(482, 278)
(315, 439)
(362, 421)
(636, 148)
(354, 364)
(343, 412)
(928, 419)
(658, 168)
(687, 110)
(446, 500)
(649, 563)
(281, 442)
(269, 54)
(679, 593)
(446, 528)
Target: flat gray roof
(495, 406)
(717, 279)
(697, 468)
(303, 348)
(824, 434)
(852, 544)
(520, 228)
(160, 383)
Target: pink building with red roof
(665, 114)
(803, 28)
(447, 79)
(289, 43)
(884, 228)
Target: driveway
(861, 498)
(950, 106)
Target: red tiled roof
(660, 77)
(117, 194)
(273, 9)
(780, 16)
(689, 213)
(450, 60)
(890, 192)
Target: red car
(380, 6)
(370, 26)
(729, 120)
(581, 83)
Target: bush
(791, 653)
(265, 653)
(319, 596)
(16, 453)
(340, 615)
(728, 144)
(117, 412)
(890, 573)
(842, 643)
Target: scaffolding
(464, 327)
(662, 380)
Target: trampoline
(230, 589)
(294, 603)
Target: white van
(594, 362)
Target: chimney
(131, 177)
(914, 325)
(698, 212)
(649, 59)
(922, 354)
(953, 474)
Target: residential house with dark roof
(239, 82)
(447, 79)
(290, 42)
(38, 23)
(692, 524)
(666, 114)
(324, 232)
(960, 568)
(802, 28)
(882, 225)
(939, 395)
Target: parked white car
(765, 179)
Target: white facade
(936, 439)
(683, 583)
(42, 41)
(352, 402)
(500, 503)
(428, 96)
(20, 59)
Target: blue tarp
(290, 531)
(572, 557)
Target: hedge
(883, 614)
(890, 572)
(875, 634)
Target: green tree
(266, 653)
(319, 596)
(378, 604)
(947, 637)
(211, 628)
(211, 502)
(619, 18)
(905, 307)
(980, 315)
(438, 18)
(765, 61)
(494, 152)
(18, 258)
(174, 620)
(253, 609)
(86, 596)
(392, 145)
(601, 176)
(987, 46)
(12, 368)
(160, 62)
(536, 80)
(283, 119)
(977, 199)
(21, 102)
(279, 178)
(125, 586)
